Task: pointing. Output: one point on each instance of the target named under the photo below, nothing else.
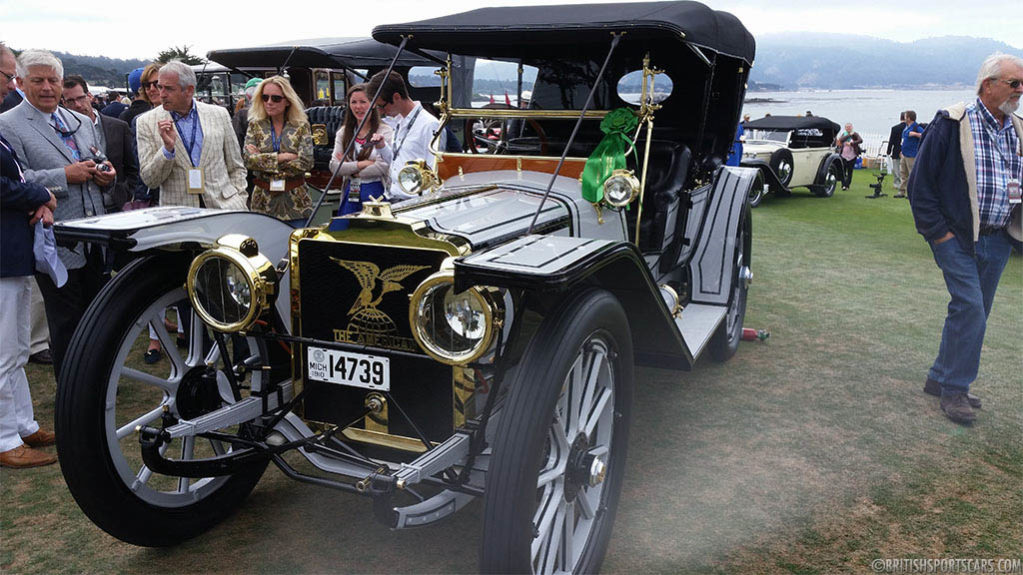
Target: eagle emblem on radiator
(366, 322)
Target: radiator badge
(367, 325)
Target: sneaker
(899, 196)
(957, 408)
(932, 387)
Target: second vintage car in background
(791, 152)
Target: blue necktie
(69, 139)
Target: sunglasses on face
(148, 85)
(10, 77)
(276, 99)
(1014, 84)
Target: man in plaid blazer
(188, 149)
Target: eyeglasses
(64, 133)
(78, 99)
(153, 84)
(277, 99)
(1014, 84)
(10, 77)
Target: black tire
(832, 176)
(725, 340)
(757, 192)
(89, 413)
(782, 164)
(592, 327)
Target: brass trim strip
(513, 113)
(387, 440)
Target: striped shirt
(996, 150)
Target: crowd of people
(65, 157)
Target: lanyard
(195, 125)
(274, 140)
(412, 120)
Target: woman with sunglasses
(366, 165)
(278, 151)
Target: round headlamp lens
(222, 291)
(454, 328)
(465, 314)
(620, 189)
(410, 180)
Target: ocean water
(872, 112)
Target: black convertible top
(319, 53)
(792, 123)
(512, 31)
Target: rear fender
(822, 169)
(551, 266)
(712, 265)
(178, 228)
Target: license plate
(349, 368)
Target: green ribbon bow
(609, 155)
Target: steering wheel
(490, 135)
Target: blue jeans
(971, 281)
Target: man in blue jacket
(21, 205)
(965, 196)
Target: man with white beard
(965, 195)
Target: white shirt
(412, 142)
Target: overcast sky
(143, 29)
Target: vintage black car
(477, 341)
(790, 152)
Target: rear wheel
(827, 187)
(105, 393)
(559, 450)
(725, 340)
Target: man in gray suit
(55, 146)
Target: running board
(698, 324)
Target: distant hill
(783, 61)
(99, 70)
(839, 61)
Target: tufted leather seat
(330, 117)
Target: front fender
(765, 169)
(177, 228)
(554, 265)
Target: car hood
(489, 208)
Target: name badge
(195, 180)
(1014, 192)
(277, 185)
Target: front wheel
(105, 392)
(559, 450)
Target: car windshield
(781, 136)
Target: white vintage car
(792, 152)
(476, 341)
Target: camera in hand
(99, 158)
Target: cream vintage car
(792, 152)
(476, 341)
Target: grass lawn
(813, 452)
